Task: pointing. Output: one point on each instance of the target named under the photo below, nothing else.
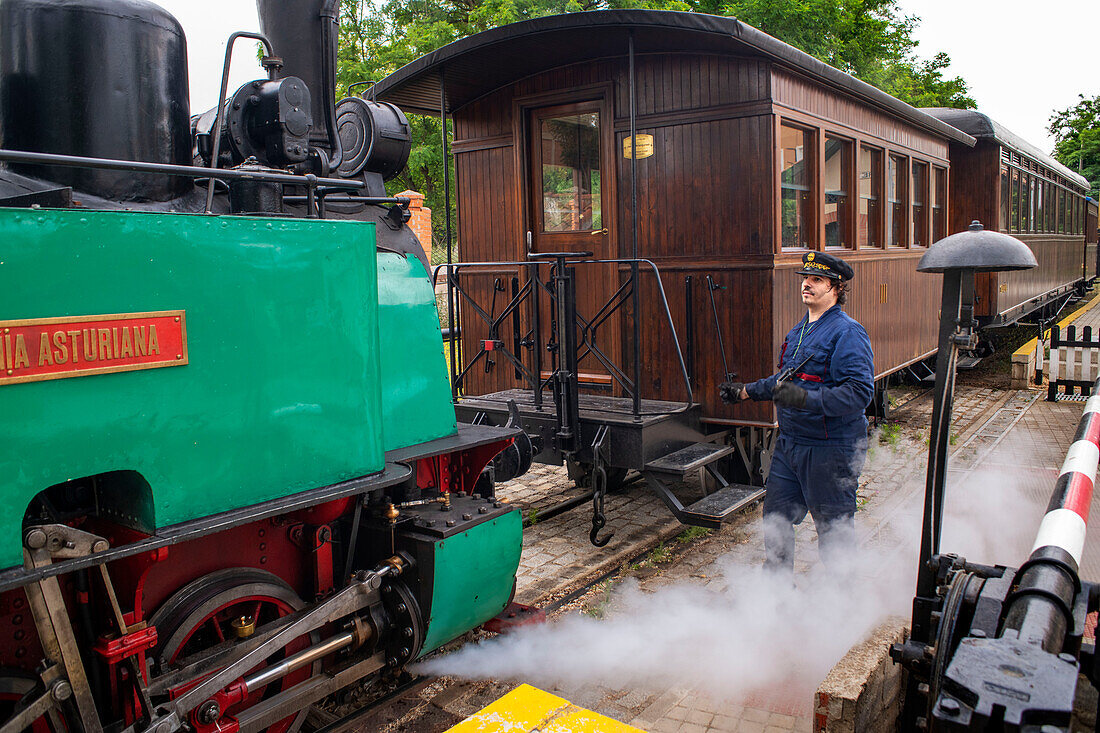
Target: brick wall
(864, 691)
(421, 221)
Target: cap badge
(810, 256)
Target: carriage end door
(570, 209)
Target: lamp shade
(979, 250)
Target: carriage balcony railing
(582, 342)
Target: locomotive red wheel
(199, 616)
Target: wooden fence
(1074, 363)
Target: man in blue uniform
(824, 384)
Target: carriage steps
(713, 509)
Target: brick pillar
(863, 692)
(421, 221)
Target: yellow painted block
(528, 709)
(586, 721)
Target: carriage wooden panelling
(701, 197)
(708, 191)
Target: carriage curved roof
(983, 127)
(476, 65)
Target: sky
(1022, 59)
(208, 25)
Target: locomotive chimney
(304, 34)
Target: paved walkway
(1008, 448)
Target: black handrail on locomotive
(310, 181)
(534, 336)
(270, 62)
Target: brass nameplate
(37, 349)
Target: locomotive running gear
(789, 395)
(825, 265)
(821, 480)
(838, 379)
(730, 391)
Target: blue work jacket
(839, 379)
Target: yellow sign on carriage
(645, 146)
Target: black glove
(730, 392)
(789, 395)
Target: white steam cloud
(749, 630)
(754, 632)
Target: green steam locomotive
(233, 478)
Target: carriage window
(838, 185)
(1040, 215)
(1048, 208)
(1028, 182)
(870, 197)
(1005, 196)
(1014, 215)
(939, 198)
(571, 173)
(896, 201)
(796, 150)
(919, 226)
(1061, 211)
(1052, 208)
(1026, 186)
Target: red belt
(808, 377)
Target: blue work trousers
(820, 479)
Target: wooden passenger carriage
(1011, 186)
(750, 153)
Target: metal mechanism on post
(996, 647)
(958, 257)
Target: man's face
(817, 292)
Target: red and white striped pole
(1041, 609)
(1068, 511)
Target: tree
(869, 39)
(1076, 133)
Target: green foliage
(870, 39)
(1076, 132)
(691, 534)
(891, 431)
(660, 554)
(921, 83)
(603, 602)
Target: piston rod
(304, 658)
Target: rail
(562, 306)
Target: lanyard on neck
(802, 333)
